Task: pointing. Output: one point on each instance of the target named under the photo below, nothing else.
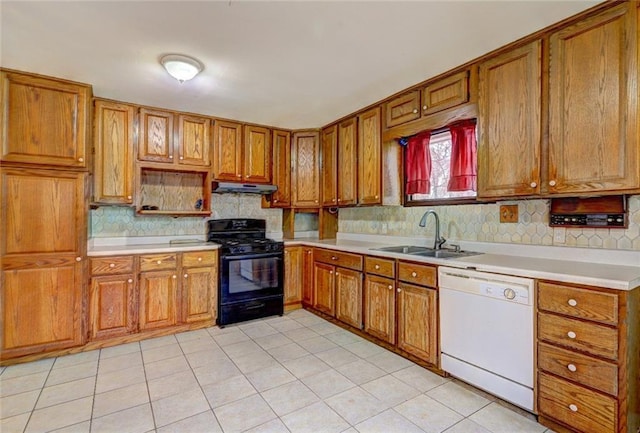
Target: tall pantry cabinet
(43, 184)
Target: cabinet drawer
(582, 409)
(446, 93)
(417, 274)
(199, 258)
(112, 265)
(337, 258)
(594, 373)
(576, 302)
(384, 267)
(155, 262)
(592, 338)
(403, 109)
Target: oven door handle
(273, 255)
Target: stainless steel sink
(445, 254)
(405, 249)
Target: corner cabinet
(281, 169)
(114, 132)
(305, 169)
(510, 108)
(242, 154)
(593, 111)
(330, 166)
(45, 121)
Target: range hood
(251, 188)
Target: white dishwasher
(486, 332)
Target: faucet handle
(456, 248)
(441, 241)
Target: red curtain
(418, 164)
(463, 173)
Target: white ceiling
(290, 64)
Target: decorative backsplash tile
(481, 222)
(112, 221)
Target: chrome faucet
(438, 241)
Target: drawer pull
(572, 302)
(390, 287)
(414, 274)
(573, 408)
(377, 267)
(572, 367)
(112, 265)
(174, 276)
(186, 275)
(199, 259)
(571, 334)
(159, 262)
(129, 281)
(399, 290)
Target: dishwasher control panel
(506, 292)
(500, 287)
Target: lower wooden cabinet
(418, 321)
(307, 276)
(198, 294)
(349, 297)
(292, 276)
(158, 296)
(324, 288)
(111, 306)
(380, 308)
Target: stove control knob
(509, 294)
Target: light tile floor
(297, 373)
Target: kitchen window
(440, 166)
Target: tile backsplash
(112, 221)
(481, 222)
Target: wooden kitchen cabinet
(330, 166)
(348, 288)
(380, 307)
(593, 111)
(446, 93)
(305, 169)
(347, 162)
(114, 134)
(238, 160)
(199, 286)
(307, 277)
(157, 302)
(324, 288)
(112, 302)
(194, 140)
(369, 158)
(43, 242)
(155, 142)
(403, 109)
(256, 154)
(587, 362)
(45, 121)
(281, 169)
(293, 276)
(509, 129)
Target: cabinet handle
(330, 272)
(399, 290)
(186, 275)
(80, 159)
(572, 367)
(377, 197)
(337, 273)
(199, 259)
(275, 200)
(334, 258)
(247, 176)
(309, 252)
(129, 197)
(174, 277)
(339, 199)
(170, 156)
(159, 262)
(533, 184)
(552, 183)
(377, 266)
(390, 287)
(572, 302)
(239, 175)
(181, 158)
(413, 274)
(112, 265)
(573, 408)
(129, 281)
(78, 259)
(415, 111)
(571, 334)
(316, 201)
(424, 107)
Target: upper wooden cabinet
(305, 169)
(509, 123)
(281, 169)
(44, 120)
(114, 131)
(194, 140)
(256, 155)
(238, 160)
(593, 104)
(348, 162)
(330, 166)
(155, 142)
(436, 96)
(369, 158)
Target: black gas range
(251, 270)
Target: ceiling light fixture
(180, 67)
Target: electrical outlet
(509, 213)
(559, 235)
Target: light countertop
(98, 247)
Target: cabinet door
(593, 111)
(113, 164)
(227, 142)
(330, 166)
(41, 304)
(292, 275)
(347, 162)
(509, 123)
(281, 169)
(199, 289)
(112, 306)
(349, 297)
(445, 93)
(380, 308)
(305, 169)
(155, 141)
(257, 154)
(194, 140)
(324, 289)
(307, 276)
(403, 109)
(157, 307)
(417, 322)
(44, 121)
(369, 158)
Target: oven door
(251, 276)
